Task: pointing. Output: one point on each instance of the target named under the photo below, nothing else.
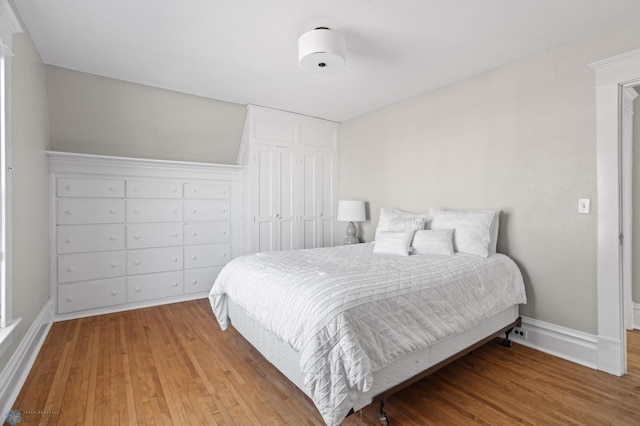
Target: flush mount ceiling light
(321, 51)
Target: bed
(351, 324)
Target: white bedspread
(349, 311)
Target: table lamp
(351, 211)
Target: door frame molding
(612, 76)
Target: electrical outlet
(520, 332)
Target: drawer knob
(69, 211)
(224, 232)
(68, 240)
(68, 187)
(71, 268)
(174, 259)
(194, 191)
(136, 237)
(195, 211)
(194, 282)
(114, 265)
(113, 189)
(174, 235)
(224, 254)
(113, 238)
(174, 211)
(112, 211)
(114, 292)
(224, 210)
(175, 190)
(194, 257)
(224, 191)
(70, 299)
(137, 262)
(175, 284)
(136, 189)
(194, 234)
(137, 289)
(136, 211)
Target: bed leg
(382, 416)
(506, 342)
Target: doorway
(613, 76)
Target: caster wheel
(384, 419)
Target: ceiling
(245, 51)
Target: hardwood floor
(172, 365)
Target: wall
(97, 115)
(30, 188)
(521, 138)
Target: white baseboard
(636, 316)
(572, 345)
(16, 371)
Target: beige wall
(97, 115)
(520, 138)
(30, 188)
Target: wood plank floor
(171, 365)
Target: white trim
(572, 345)
(9, 25)
(636, 316)
(626, 157)
(611, 76)
(17, 369)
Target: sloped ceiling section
(245, 51)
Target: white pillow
(396, 221)
(475, 231)
(433, 241)
(393, 242)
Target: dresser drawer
(90, 295)
(154, 210)
(154, 286)
(207, 210)
(146, 235)
(95, 188)
(83, 238)
(154, 189)
(213, 191)
(205, 256)
(77, 211)
(207, 232)
(145, 261)
(198, 280)
(90, 266)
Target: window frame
(9, 25)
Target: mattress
(349, 312)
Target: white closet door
(327, 193)
(274, 180)
(310, 200)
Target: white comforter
(350, 312)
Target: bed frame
(392, 378)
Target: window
(8, 26)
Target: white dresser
(128, 233)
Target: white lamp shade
(321, 51)
(351, 211)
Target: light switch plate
(584, 205)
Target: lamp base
(351, 235)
